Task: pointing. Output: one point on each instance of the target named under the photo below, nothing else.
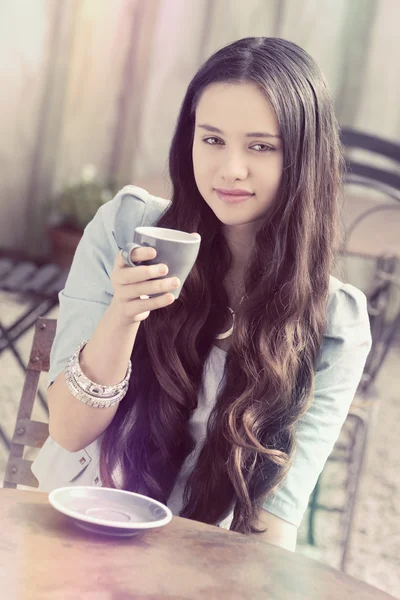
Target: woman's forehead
(239, 106)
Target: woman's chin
(232, 218)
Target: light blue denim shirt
(86, 296)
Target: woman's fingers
(137, 255)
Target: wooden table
(45, 556)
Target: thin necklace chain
(226, 334)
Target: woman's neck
(234, 285)
(240, 239)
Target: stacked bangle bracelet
(90, 393)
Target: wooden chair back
(27, 432)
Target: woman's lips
(232, 199)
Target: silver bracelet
(89, 392)
(87, 398)
(94, 389)
(90, 400)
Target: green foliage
(76, 204)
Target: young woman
(239, 388)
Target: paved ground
(375, 548)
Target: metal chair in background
(384, 250)
(28, 432)
(367, 173)
(374, 235)
(36, 288)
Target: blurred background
(90, 93)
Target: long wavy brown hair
(270, 367)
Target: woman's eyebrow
(252, 134)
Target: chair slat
(18, 275)
(28, 395)
(357, 139)
(58, 284)
(374, 174)
(18, 471)
(39, 359)
(30, 433)
(6, 266)
(27, 432)
(40, 279)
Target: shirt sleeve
(346, 344)
(88, 290)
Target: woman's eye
(213, 139)
(264, 147)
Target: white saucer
(108, 511)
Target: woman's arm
(346, 344)
(73, 424)
(88, 311)
(279, 532)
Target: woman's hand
(133, 286)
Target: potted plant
(72, 209)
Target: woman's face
(237, 146)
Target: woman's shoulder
(131, 207)
(347, 310)
(134, 199)
(115, 221)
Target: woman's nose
(233, 166)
